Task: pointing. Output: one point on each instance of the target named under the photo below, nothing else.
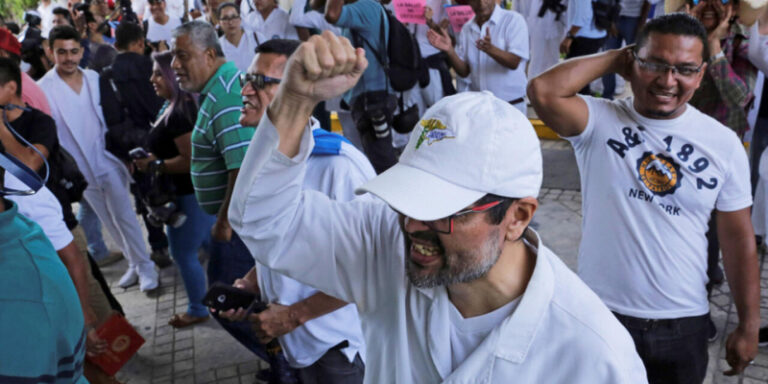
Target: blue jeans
(92, 228)
(184, 242)
(627, 27)
(674, 350)
(230, 261)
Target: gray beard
(459, 267)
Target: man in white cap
(450, 283)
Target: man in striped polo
(219, 142)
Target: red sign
(459, 15)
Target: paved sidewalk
(206, 354)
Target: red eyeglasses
(445, 225)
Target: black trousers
(333, 368)
(674, 351)
(582, 46)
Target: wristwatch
(570, 36)
(159, 165)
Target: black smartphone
(223, 297)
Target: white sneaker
(130, 277)
(148, 277)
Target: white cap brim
(419, 194)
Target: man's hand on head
(624, 61)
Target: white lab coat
(560, 332)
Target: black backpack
(605, 13)
(402, 64)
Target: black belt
(517, 101)
(340, 346)
(646, 324)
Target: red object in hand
(122, 340)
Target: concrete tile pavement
(206, 354)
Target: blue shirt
(41, 322)
(365, 18)
(580, 15)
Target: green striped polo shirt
(219, 142)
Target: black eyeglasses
(445, 225)
(229, 18)
(662, 68)
(257, 81)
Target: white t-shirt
(157, 32)
(468, 333)
(508, 32)
(42, 208)
(243, 54)
(649, 188)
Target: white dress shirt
(559, 333)
(509, 32)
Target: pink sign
(410, 11)
(459, 15)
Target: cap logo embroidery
(434, 131)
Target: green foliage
(14, 9)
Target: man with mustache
(320, 335)
(75, 101)
(653, 170)
(450, 283)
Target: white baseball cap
(464, 147)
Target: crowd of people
(400, 249)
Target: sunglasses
(257, 81)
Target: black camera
(126, 10)
(159, 199)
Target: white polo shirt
(242, 54)
(42, 208)
(508, 32)
(559, 333)
(276, 26)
